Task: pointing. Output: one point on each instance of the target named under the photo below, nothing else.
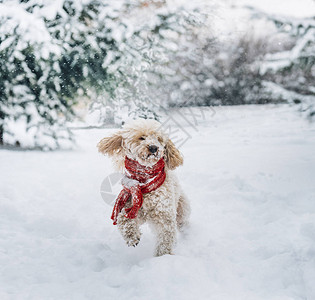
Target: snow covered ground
(249, 173)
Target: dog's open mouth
(152, 155)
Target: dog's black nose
(153, 148)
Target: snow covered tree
(290, 73)
(146, 63)
(50, 53)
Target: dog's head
(142, 140)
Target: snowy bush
(290, 73)
(208, 70)
(217, 73)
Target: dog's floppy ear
(111, 145)
(172, 155)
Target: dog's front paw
(133, 241)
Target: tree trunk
(1, 126)
(1, 135)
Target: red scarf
(142, 180)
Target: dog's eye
(142, 138)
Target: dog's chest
(158, 199)
(152, 199)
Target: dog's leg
(129, 229)
(183, 213)
(165, 229)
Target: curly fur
(165, 208)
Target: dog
(151, 193)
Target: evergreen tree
(50, 53)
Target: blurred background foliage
(126, 58)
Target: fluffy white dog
(150, 192)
